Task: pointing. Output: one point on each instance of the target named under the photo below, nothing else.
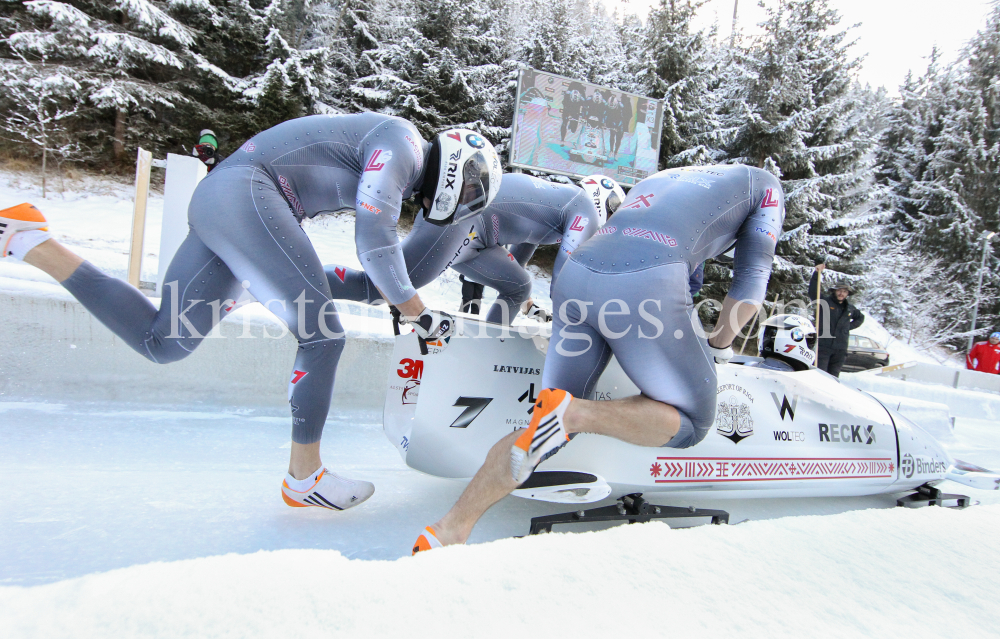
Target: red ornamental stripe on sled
(680, 470)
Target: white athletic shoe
(543, 437)
(23, 217)
(329, 491)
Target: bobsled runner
(776, 434)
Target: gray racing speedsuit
(625, 291)
(527, 212)
(245, 232)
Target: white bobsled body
(776, 434)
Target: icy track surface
(128, 521)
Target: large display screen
(575, 128)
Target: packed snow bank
(900, 351)
(55, 349)
(960, 402)
(854, 574)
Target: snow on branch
(156, 21)
(122, 50)
(61, 14)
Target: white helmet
(463, 176)
(607, 194)
(791, 338)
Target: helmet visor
(475, 187)
(811, 341)
(614, 201)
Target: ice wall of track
(960, 402)
(52, 347)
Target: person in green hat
(207, 149)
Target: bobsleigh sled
(776, 434)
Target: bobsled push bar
(631, 508)
(930, 496)
(396, 316)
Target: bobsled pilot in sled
(526, 212)
(625, 292)
(245, 232)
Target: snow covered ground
(141, 521)
(900, 351)
(136, 520)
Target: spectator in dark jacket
(844, 318)
(207, 149)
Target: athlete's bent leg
(198, 288)
(272, 254)
(583, 355)
(496, 268)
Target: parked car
(864, 353)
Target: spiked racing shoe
(23, 217)
(426, 541)
(543, 437)
(329, 491)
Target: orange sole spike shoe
(426, 541)
(23, 217)
(543, 437)
(329, 491)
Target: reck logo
(846, 434)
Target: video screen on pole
(576, 128)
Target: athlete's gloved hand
(721, 355)
(433, 325)
(533, 311)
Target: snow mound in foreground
(878, 573)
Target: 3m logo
(769, 200)
(642, 201)
(576, 225)
(411, 368)
(340, 272)
(473, 406)
(784, 406)
(297, 377)
(378, 160)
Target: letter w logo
(784, 407)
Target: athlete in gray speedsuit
(245, 233)
(669, 224)
(526, 212)
(625, 292)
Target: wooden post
(819, 293)
(143, 164)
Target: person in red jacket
(985, 356)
